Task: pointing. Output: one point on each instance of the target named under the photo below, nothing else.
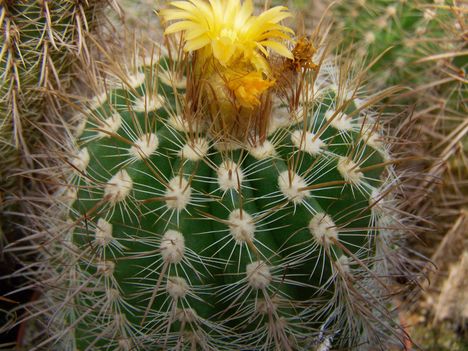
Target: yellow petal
(179, 26)
(196, 44)
(279, 48)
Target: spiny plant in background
(401, 31)
(428, 53)
(234, 192)
(442, 107)
(427, 42)
(438, 75)
(40, 41)
(376, 27)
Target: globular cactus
(234, 192)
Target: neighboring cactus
(428, 53)
(40, 41)
(427, 42)
(235, 197)
(403, 32)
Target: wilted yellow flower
(228, 31)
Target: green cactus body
(188, 242)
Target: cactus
(404, 32)
(428, 54)
(206, 214)
(40, 43)
(427, 42)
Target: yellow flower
(231, 60)
(248, 87)
(228, 31)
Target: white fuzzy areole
(106, 268)
(112, 295)
(98, 100)
(230, 176)
(323, 229)
(369, 37)
(341, 122)
(195, 150)
(373, 139)
(172, 246)
(263, 151)
(187, 315)
(291, 189)
(391, 10)
(375, 197)
(325, 345)
(110, 126)
(377, 201)
(382, 22)
(281, 118)
(305, 142)
(135, 80)
(178, 194)
(81, 160)
(177, 287)
(258, 275)
(178, 123)
(242, 228)
(81, 125)
(118, 187)
(145, 146)
(68, 195)
(172, 80)
(103, 234)
(349, 170)
(148, 103)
